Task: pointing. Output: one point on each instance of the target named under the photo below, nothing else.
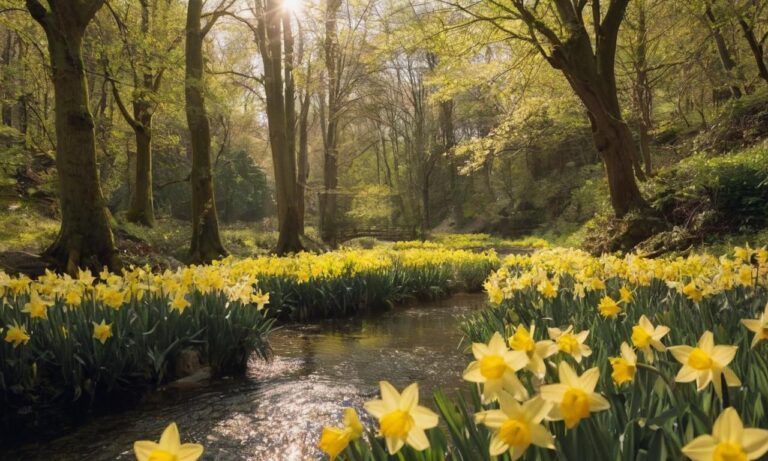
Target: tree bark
(206, 243)
(85, 238)
(756, 47)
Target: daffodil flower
(516, 426)
(705, 363)
(102, 331)
(608, 307)
(401, 419)
(547, 289)
(333, 440)
(37, 307)
(179, 302)
(645, 336)
(626, 295)
(536, 351)
(170, 448)
(574, 398)
(495, 368)
(260, 299)
(625, 366)
(571, 343)
(729, 441)
(16, 335)
(759, 326)
(693, 292)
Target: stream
(277, 410)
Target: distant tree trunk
(722, 50)
(328, 199)
(643, 93)
(303, 160)
(756, 47)
(272, 32)
(85, 237)
(206, 242)
(6, 110)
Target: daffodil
(625, 366)
(260, 299)
(516, 426)
(574, 397)
(571, 343)
(693, 292)
(705, 363)
(37, 307)
(536, 351)
(102, 331)
(495, 368)
(16, 335)
(729, 441)
(608, 307)
(333, 440)
(170, 448)
(626, 295)
(645, 336)
(179, 302)
(547, 289)
(401, 419)
(759, 326)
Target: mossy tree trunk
(85, 237)
(206, 243)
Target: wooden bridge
(388, 233)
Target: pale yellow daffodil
(705, 363)
(169, 448)
(574, 397)
(495, 368)
(729, 441)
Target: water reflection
(276, 411)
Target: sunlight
(292, 6)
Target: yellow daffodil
(102, 331)
(625, 295)
(608, 307)
(495, 294)
(16, 335)
(260, 299)
(705, 363)
(515, 426)
(334, 440)
(170, 448)
(73, 296)
(536, 351)
(625, 366)
(85, 277)
(645, 336)
(693, 292)
(759, 326)
(574, 398)
(495, 368)
(401, 419)
(571, 343)
(37, 307)
(729, 441)
(179, 302)
(547, 289)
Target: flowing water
(277, 411)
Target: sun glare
(292, 6)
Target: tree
(147, 76)
(206, 243)
(587, 60)
(85, 237)
(274, 37)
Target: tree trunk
(303, 160)
(272, 31)
(85, 238)
(142, 209)
(328, 200)
(722, 50)
(756, 47)
(206, 242)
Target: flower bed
(597, 358)
(69, 343)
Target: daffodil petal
(190, 452)
(702, 448)
(417, 438)
(143, 448)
